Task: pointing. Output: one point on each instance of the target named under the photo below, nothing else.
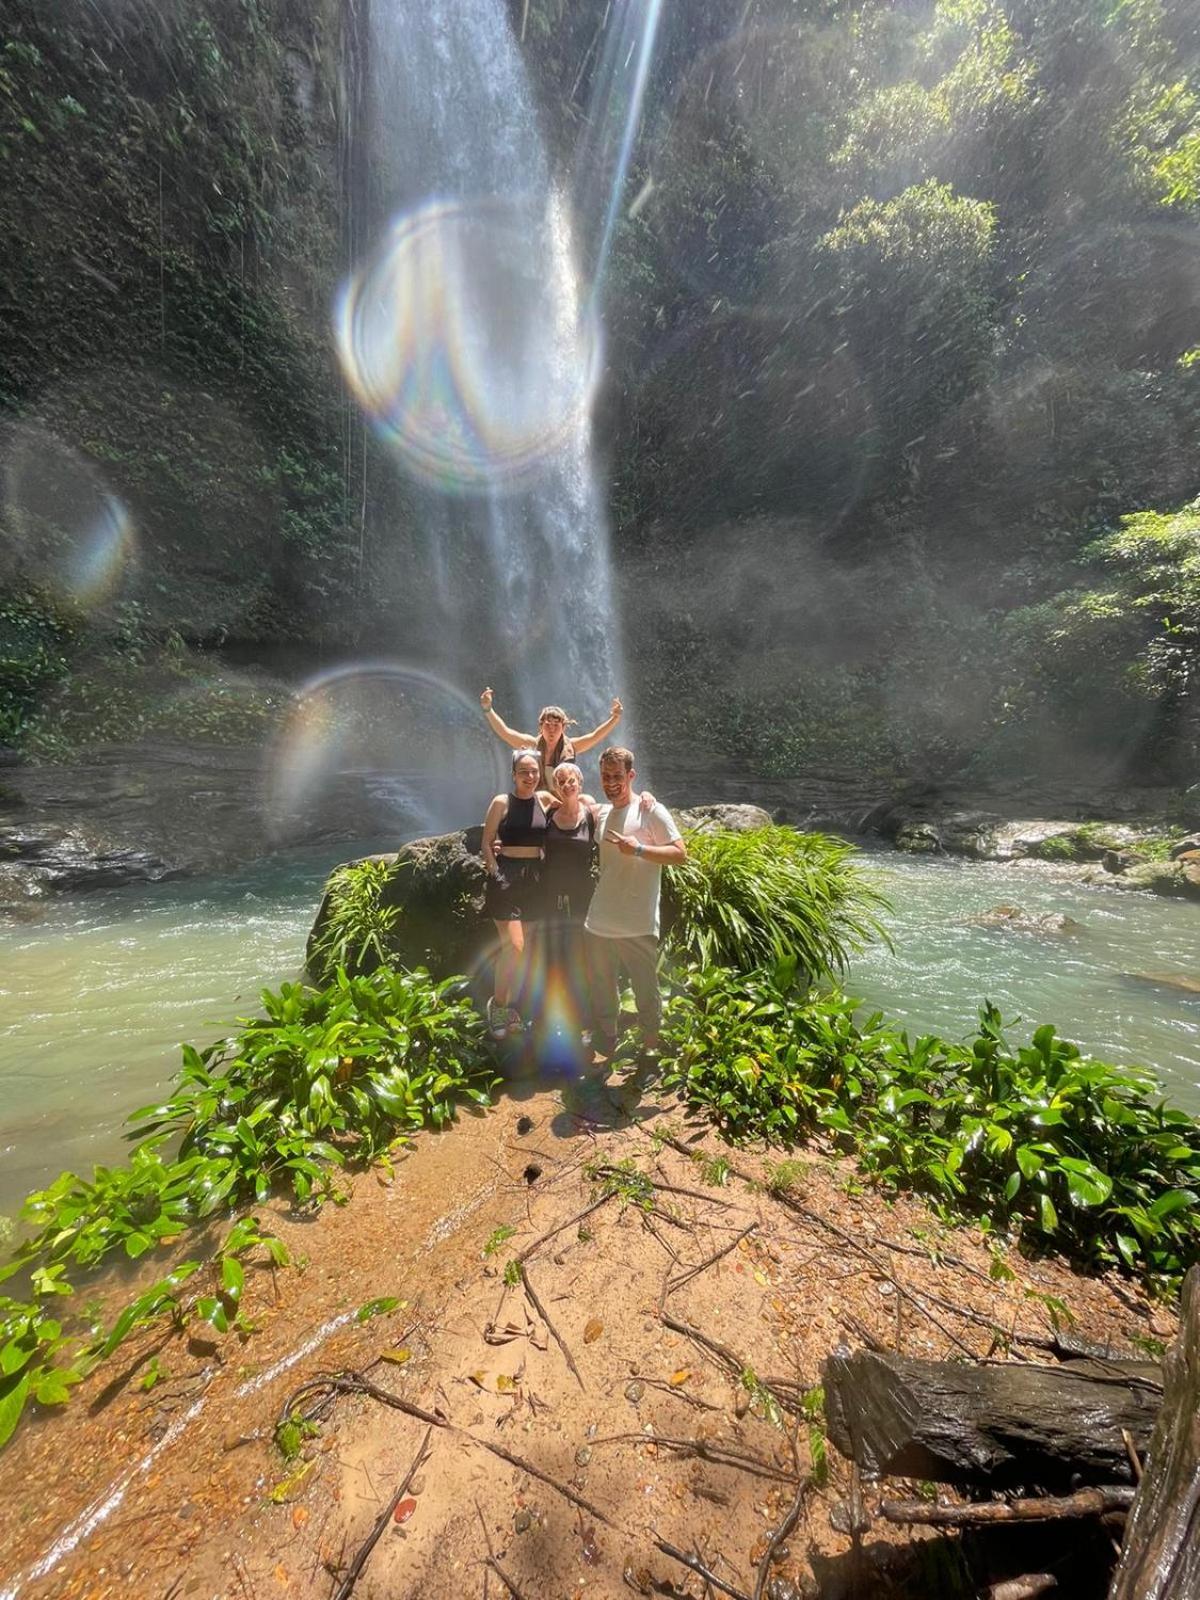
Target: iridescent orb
(69, 531)
(383, 751)
(463, 339)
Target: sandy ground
(579, 1421)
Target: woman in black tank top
(567, 885)
(514, 847)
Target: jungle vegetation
(903, 365)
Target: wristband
(639, 848)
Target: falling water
(468, 339)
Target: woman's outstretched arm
(501, 728)
(585, 741)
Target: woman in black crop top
(514, 847)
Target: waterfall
(466, 336)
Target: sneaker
(513, 1023)
(603, 1045)
(497, 1019)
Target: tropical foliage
(746, 900)
(1074, 1153)
(321, 1079)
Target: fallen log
(1160, 1558)
(1058, 1428)
(1045, 1508)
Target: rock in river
(1022, 921)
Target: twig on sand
(544, 1238)
(544, 1477)
(1046, 1508)
(851, 1323)
(780, 1534)
(709, 1261)
(706, 1450)
(778, 1387)
(385, 1516)
(698, 1567)
(493, 1563)
(355, 1383)
(554, 1333)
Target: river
(98, 994)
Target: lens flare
(462, 339)
(72, 533)
(380, 749)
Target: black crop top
(523, 823)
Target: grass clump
(357, 922)
(747, 900)
(1078, 1155)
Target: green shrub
(749, 900)
(1084, 1157)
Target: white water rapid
(466, 337)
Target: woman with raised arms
(552, 744)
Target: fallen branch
(360, 1560)
(778, 1387)
(355, 1383)
(698, 1567)
(777, 1538)
(493, 1563)
(545, 1238)
(1045, 1508)
(553, 1331)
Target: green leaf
(233, 1278)
(1086, 1184)
(1047, 1214)
(14, 1391)
(378, 1308)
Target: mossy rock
(1180, 878)
(436, 886)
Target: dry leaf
(504, 1384)
(396, 1357)
(593, 1330)
(681, 1376)
(299, 1516)
(761, 1278)
(404, 1510)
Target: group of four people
(539, 844)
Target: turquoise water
(97, 996)
(1085, 982)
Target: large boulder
(436, 888)
(722, 819)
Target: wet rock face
(46, 859)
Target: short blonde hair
(567, 766)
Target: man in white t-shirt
(622, 920)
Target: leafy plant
(749, 900)
(1083, 1156)
(324, 1077)
(355, 935)
(498, 1237)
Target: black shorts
(516, 894)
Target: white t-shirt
(625, 902)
